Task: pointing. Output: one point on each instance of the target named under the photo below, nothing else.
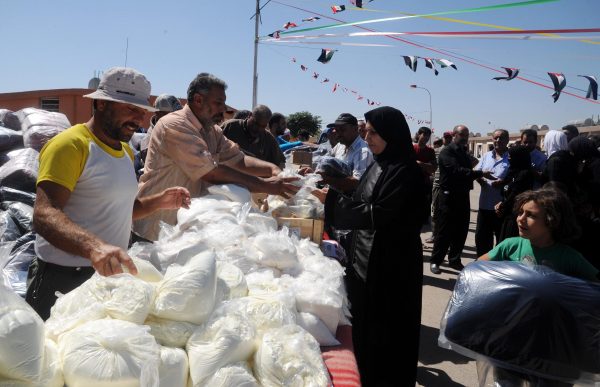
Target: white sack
(174, 367)
(109, 353)
(146, 270)
(237, 374)
(51, 375)
(170, 333)
(290, 356)
(313, 325)
(231, 282)
(220, 341)
(276, 249)
(233, 192)
(21, 338)
(187, 293)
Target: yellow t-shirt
(102, 184)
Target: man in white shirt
(351, 149)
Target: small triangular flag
(275, 34)
(303, 67)
(338, 8)
(325, 56)
(325, 80)
(334, 88)
(315, 75)
(593, 88)
(511, 72)
(559, 81)
(411, 62)
(430, 64)
(311, 19)
(290, 25)
(446, 63)
(358, 3)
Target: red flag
(290, 25)
(334, 88)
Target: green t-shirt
(561, 258)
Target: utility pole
(255, 74)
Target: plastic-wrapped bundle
(333, 167)
(174, 367)
(22, 215)
(20, 172)
(14, 195)
(170, 333)
(236, 374)
(9, 120)
(51, 375)
(8, 229)
(39, 126)
(10, 139)
(527, 319)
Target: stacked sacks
(39, 126)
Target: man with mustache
(188, 148)
(86, 192)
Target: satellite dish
(94, 83)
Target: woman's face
(375, 142)
(532, 223)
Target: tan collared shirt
(180, 152)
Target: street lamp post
(430, 111)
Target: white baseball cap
(124, 85)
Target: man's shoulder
(76, 135)
(232, 124)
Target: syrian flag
(430, 64)
(593, 88)
(360, 97)
(334, 88)
(315, 75)
(446, 63)
(325, 56)
(358, 3)
(275, 34)
(303, 67)
(559, 81)
(338, 8)
(411, 62)
(511, 72)
(370, 102)
(325, 80)
(311, 19)
(290, 25)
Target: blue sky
(59, 44)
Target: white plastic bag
(170, 333)
(237, 374)
(107, 353)
(174, 367)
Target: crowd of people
(89, 198)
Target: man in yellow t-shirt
(86, 192)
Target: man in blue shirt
(488, 223)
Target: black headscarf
(391, 125)
(583, 148)
(520, 158)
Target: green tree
(303, 120)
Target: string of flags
(412, 60)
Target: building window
(50, 104)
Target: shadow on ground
(430, 353)
(440, 282)
(428, 376)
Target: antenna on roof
(126, 50)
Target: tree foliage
(303, 120)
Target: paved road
(439, 367)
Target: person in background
(188, 149)
(437, 143)
(362, 129)
(351, 149)
(426, 159)
(253, 138)
(453, 203)
(520, 178)
(571, 131)
(488, 223)
(242, 114)
(386, 256)
(538, 158)
(86, 193)
(554, 141)
(303, 135)
(446, 140)
(164, 104)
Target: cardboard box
(302, 157)
(304, 228)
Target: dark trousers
(488, 226)
(49, 278)
(435, 191)
(451, 225)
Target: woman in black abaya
(385, 276)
